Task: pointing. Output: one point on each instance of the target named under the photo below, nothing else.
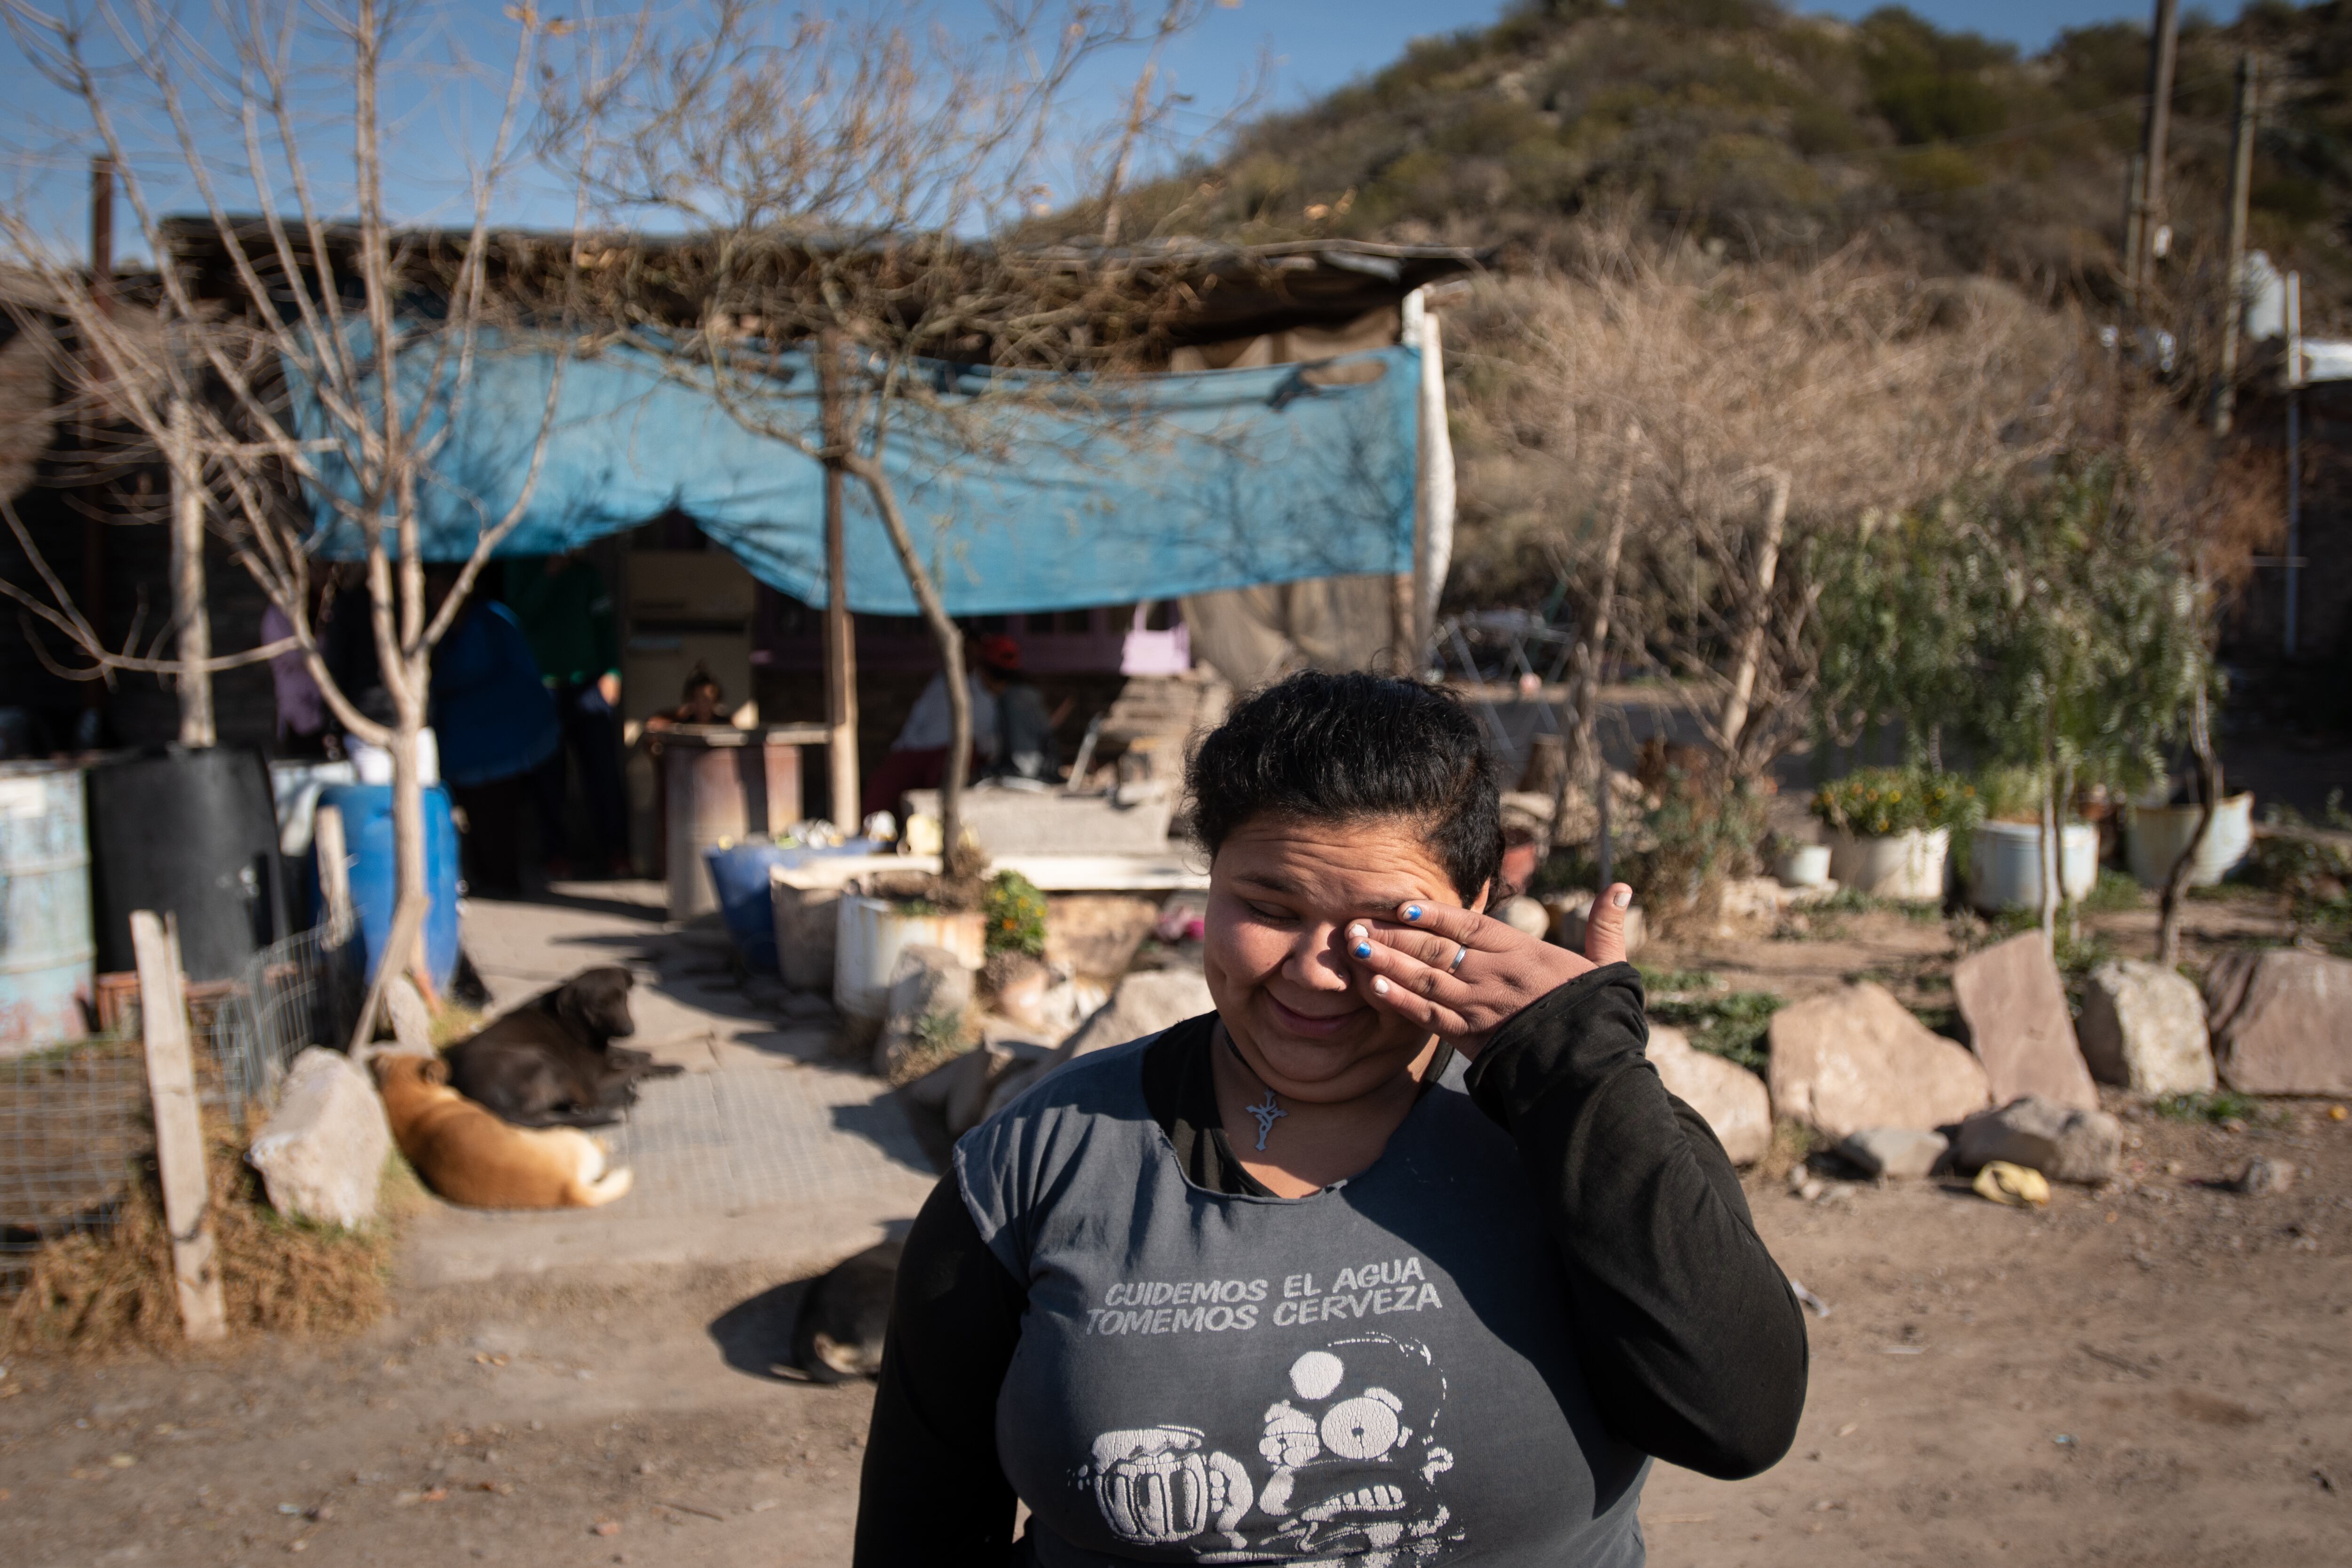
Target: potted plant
(1890, 829)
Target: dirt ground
(2159, 1373)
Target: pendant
(1266, 1115)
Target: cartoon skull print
(1355, 1456)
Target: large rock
(2063, 1142)
(1143, 1004)
(2282, 1022)
(1097, 933)
(2015, 1008)
(1857, 1058)
(1733, 1099)
(2143, 1026)
(928, 987)
(1895, 1151)
(322, 1152)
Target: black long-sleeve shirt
(1689, 1337)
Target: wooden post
(334, 871)
(179, 1128)
(188, 607)
(840, 631)
(2241, 181)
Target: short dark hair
(1341, 748)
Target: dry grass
(111, 1292)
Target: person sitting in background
(918, 757)
(702, 702)
(1025, 731)
(497, 725)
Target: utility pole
(2241, 179)
(2148, 194)
(2293, 448)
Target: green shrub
(1014, 911)
(1877, 802)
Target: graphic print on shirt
(1348, 1455)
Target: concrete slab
(767, 1149)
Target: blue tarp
(1032, 494)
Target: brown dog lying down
(551, 1062)
(471, 1157)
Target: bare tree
(848, 187)
(279, 369)
(1742, 410)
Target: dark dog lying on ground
(838, 1334)
(551, 1061)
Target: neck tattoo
(1268, 1113)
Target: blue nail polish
(1363, 949)
(1413, 911)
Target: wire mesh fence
(75, 1126)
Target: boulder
(322, 1152)
(1143, 1004)
(1907, 1151)
(2143, 1026)
(2015, 1008)
(927, 984)
(1733, 1099)
(1525, 916)
(1097, 933)
(2282, 1022)
(1857, 1058)
(2063, 1142)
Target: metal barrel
(723, 785)
(46, 948)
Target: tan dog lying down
(471, 1157)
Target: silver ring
(1460, 953)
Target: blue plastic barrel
(45, 934)
(367, 835)
(739, 875)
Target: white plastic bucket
(868, 940)
(2159, 834)
(1805, 865)
(1908, 865)
(2005, 864)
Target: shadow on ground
(755, 1335)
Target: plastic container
(739, 873)
(193, 833)
(1803, 865)
(2158, 834)
(2005, 864)
(1908, 865)
(367, 835)
(46, 950)
(867, 939)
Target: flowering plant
(1876, 802)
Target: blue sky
(1312, 46)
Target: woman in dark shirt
(1402, 1254)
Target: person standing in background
(918, 757)
(497, 725)
(1025, 731)
(302, 727)
(566, 613)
